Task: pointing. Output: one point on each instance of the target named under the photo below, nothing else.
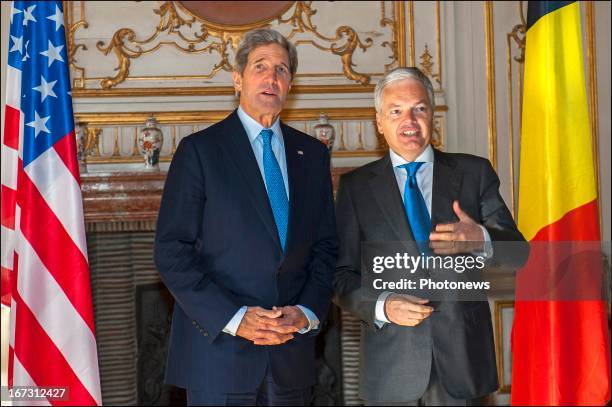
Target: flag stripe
(23, 377)
(41, 358)
(538, 9)
(9, 256)
(7, 211)
(10, 160)
(567, 368)
(46, 300)
(13, 312)
(9, 240)
(580, 224)
(66, 151)
(55, 248)
(58, 187)
(13, 89)
(11, 128)
(5, 290)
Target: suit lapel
(240, 153)
(297, 181)
(445, 189)
(387, 195)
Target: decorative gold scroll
(177, 28)
(516, 35)
(126, 47)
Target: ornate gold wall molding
(516, 37)
(427, 63)
(182, 30)
(498, 308)
(411, 25)
(214, 90)
(92, 141)
(126, 124)
(427, 60)
(438, 140)
(399, 53)
(301, 22)
(438, 75)
(212, 116)
(71, 46)
(490, 63)
(126, 47)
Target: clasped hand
(271, 327)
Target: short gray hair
(259, 37)
(399, 74)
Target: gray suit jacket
(396, 360)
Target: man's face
(265, 82)
(406, 118)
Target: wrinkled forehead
(405, 91)
(272, 52)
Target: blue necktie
(416, 209)
(276, 187)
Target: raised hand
(465, 236)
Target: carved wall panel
(174, 59)
(151, 45)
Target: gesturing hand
(406, 310)
(465, 236)
(260, 326)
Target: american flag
(44, 252)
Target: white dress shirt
(253, 128)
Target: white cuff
(488, 246)
(380, 319)
(313, 321)
(234, 323)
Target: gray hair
(259, 37)
(399, 74)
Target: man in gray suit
(411, 355)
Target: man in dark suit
(246, 243)
(414, 351)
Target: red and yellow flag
(561, 348)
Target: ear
(379, 123)
(237, 78)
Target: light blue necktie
(416, 209)
(276, 187)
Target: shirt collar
(426, 156)
(253, 128)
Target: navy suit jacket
(217, 249)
